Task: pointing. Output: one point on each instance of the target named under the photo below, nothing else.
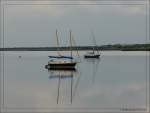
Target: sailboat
(62, 62)
(94, 53)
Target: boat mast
(70, 45)
(57, 43)
(94, 41)
(74, 43)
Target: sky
(35, 24)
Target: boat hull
(65, 66)
(91, 56)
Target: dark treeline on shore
(119, 47)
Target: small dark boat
(94, 56)
(94, 53)
(91, 55)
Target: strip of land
(118, 47)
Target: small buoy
(19, 56)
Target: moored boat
(91, 55)
(94, 53)
(60, 61)
(61, 65)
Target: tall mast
(57, 43)
(73, 40)
(94, 41)
(93, 37)
(70, 45)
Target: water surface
(115, 81)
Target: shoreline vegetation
(109, 47)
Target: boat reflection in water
(62, 76)
(72, 78)
(94, 64)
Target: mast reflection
(63, 75)
(94, 64)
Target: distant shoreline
(116, 47)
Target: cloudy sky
(34, 24)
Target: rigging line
(58, 88)
(94, 72)
(93, 37)
(58, 51)
(95, 68)
(71, 86)
(94, 41)
(73, 40)
(70, 44)
(3, 55)
(146, 55)
(76, 85)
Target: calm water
(116, 81)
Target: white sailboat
(62, 62)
